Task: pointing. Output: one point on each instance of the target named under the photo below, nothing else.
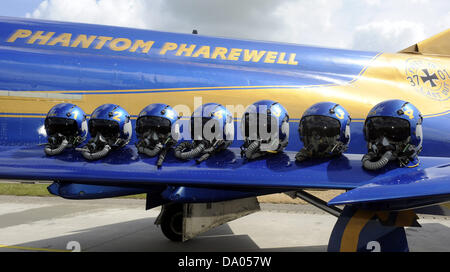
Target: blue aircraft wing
(125, 167)
(424, 187)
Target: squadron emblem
(428, 78)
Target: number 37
(414, 80)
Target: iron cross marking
(429, 77)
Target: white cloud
(308, 22)
(354, 24)
(373, 2)
(388, 36)
(109, 12)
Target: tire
(172, 222)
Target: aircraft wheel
(172, 222)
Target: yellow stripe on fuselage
(384, 79)
(21, 116)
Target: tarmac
(123, 225)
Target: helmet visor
(153, 123)
(323, 126)
(395, 129)
(258, 126)
(204, 128)
(64, 126)
(106, 128)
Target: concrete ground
(52, 224)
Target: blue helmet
(158, 115)
(393, 130)
(212, 130)
(111, 121)
(221, 118)
(326, 119)
(274, 111)
(66, 119)
(396, 118)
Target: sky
(371, 25)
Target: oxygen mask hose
(252, 151)
(259, 148)
(308, 152)
(93, 151)
(59, 149)
(162, 157)
(151, 152)
(188, 150)
(207, 152)
(150, 145)
(381, 146)
(322, 148)
(375, 165)
(303, 155)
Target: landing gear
(172, 222)
(183, 221)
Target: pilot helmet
(393, 130)
(156, 128)
(212, 130)
(212, 122)
(265, 128)
(66, 126)
(113, 122)
(110, 127)
(324, 130)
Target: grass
(38, 189)
(20, 189)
